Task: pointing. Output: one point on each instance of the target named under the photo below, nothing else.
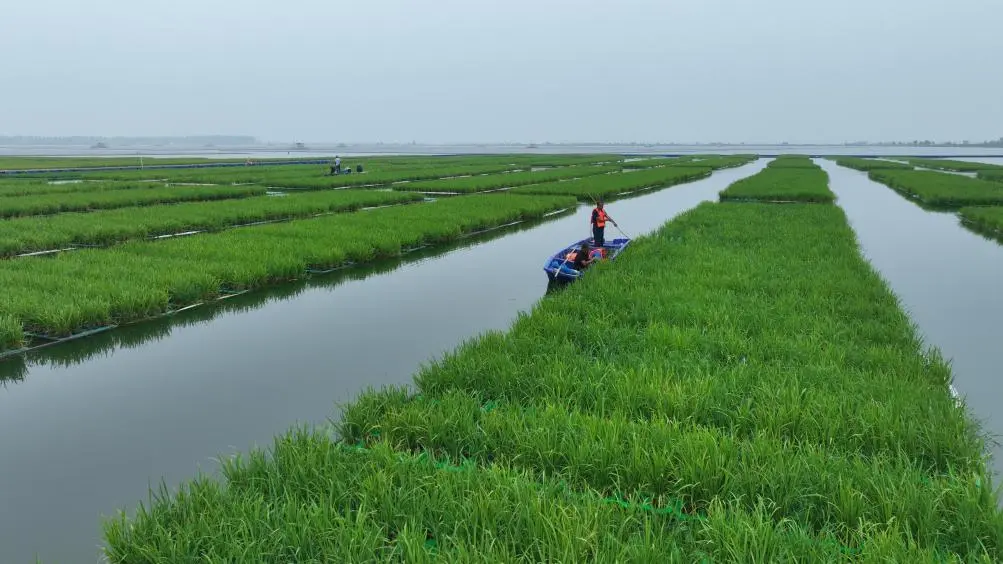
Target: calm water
(948, 279)
(101, 420)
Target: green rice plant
(791, 161)
(785, 183)
(611, 185)
(314, 500)
(93, 287)
(383, 178)
(994, 175)
(716, 162)
(33, 187)
(940, 190)
(11, 332)
(103, 227)
(743, 383)
(986, 220)
(44, 204)
(954, 166)
(481, 183)
(615, 455)
(870, 164)
(776, 337)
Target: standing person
(599, 219)
(337, 164)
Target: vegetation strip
(790, 181)
(37, 187)
(27, 234)
(867, 165)
(954, 166)
(46, 204)
(507, 180)
(993, 175)
(754, 390)
(360, 505)
(715, 162)
(88, 288)
(607, 186)
(940, 190)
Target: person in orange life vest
(581, 259)
(599, 219)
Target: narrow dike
(744, 383)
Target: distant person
(337, 165)
(599, 219)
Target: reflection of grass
(984, 220)
(755, 392)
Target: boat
(558, 267)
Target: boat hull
(559, 270)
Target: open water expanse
(91, 425)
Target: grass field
(954, 166)
(867, 165)
(609, 186)
(941, 190)
(755, 393)
(141, 195)
(132, 281)
(791, 181)
(104, 227)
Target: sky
(466, 71)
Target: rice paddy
(481, 183)
(867, 165)
(143, 195)
(104, 227)
(745, 388)
(941, 190)
(792, 180)
(953, 165)
(607, 186)
(994, 175)
(88, 288)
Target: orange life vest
(601, 217)
(571, 256)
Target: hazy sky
(505, 70)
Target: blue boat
(558, 267)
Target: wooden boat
(558, 267)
